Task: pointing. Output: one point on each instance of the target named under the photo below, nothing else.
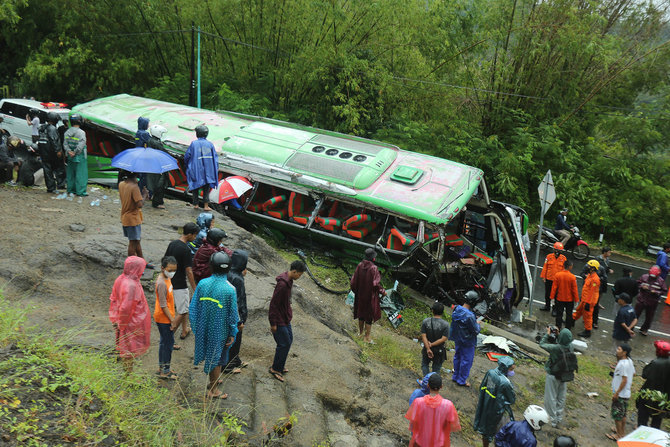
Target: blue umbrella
(144, 160)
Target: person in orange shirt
(166, 317)
(553, 264)
(564, 292)
(590, 292)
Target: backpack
(565, 367)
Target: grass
(53, 392)
(387, 350)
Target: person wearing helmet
(463, 332)
(553, 264)
(652, 288)
(213, 316)
(202, 167)
(51, 151)
(9, 164)
(656, 376)
(33, 120)
(564, 294)
(156, 183)
(562, 228)
(590, 293)
(496, 397)
(564, 441)
(555, 388)
(211, 245)
(74, 145)
(522, 433)
(603, 272)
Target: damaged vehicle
(431, 220)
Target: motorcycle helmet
(215, 235)
(219, 262)
(593, 263)
(558, 246)
(564, 441)
(662, 348)
(13, 142)
(536, 416)
(32, 113)
(157, 131)
(75, 120)
(471, 297)
(201, 131)
(654, 271)
(52, 117)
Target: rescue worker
(652, 288)
(496, 395)
(74, 145)
(590, 293)
(522, 433)
(463, 332)
(553, 264)
(565, 295)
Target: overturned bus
(431, 220)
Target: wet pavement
(602, 337)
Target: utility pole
(191, 93)
(198, 67)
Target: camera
(553, 330)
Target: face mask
(510, 373)
(169, 274)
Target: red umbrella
(230, 188)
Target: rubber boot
(585, 334)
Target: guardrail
(653, 249)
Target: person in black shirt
(182, 253)
(626, 284)
(656, 378)
(434, 335)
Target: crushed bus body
(431, 220)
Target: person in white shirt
(622, 380)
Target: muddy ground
(340, 394)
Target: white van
(14, 111)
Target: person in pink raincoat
(432, 418)
(129, 312)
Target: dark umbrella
(144, 160)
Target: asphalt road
(660, 327)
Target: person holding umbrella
(202, 167)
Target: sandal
(176, 347)
(284, 371)
(220, 395)
(169, 376)
(466, 384)
(612, 437)
(184, 335)
(276, 375)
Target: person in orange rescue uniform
(565, 295)
(553, 264)
(590, 292)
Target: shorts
(619, 408)
(133, 233)
(181, 300)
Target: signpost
(547, 194)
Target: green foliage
(514, 88)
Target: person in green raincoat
(496, 395)
(74, 144)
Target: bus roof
(406, 183)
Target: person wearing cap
(463, 332)
(434, 335)
(656, 376)
(432, 418)
(496, 397)
(562, 227)
(565, 295)
(652, 288)
(622, 380)
(590, 293)
(214, 318)
(74, 145)
(367, 288)
(280, 315)
(625, 320)
(423, 389)
(553, 264)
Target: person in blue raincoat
(496, 395)
(213, 315)
(464, 330)
(142, 135)
(202, 167)
(423, 391)
(522, 433)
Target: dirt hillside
(61, 258)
